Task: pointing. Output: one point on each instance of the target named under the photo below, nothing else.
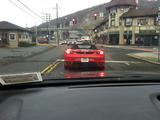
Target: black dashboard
(78, 103)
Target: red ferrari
(84, 55)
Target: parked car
(43, 41)
(64, 42)
(71, 41)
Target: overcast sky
(9, 12)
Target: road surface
(50, 64)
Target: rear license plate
(84, 60)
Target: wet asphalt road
(116, 61)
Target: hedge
(26, 44)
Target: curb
(135, 56)
(127, 47)
(144, 59)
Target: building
(100, 32)
(11, 34)
(129, 25)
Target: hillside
(85, 17)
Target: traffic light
(73, 20)
(95, 16)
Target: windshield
(74, 39)
(83, 46)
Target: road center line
(47, 68)
(53, 67)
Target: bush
(26, 44)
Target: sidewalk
(150, 53)
(142, 48)
(12, 54)
(151, 57)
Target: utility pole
(47, 19)
(49, 28)
(57, 12)
(159, 35)
(57, 24)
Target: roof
(115, 3)
(140, 12)
(101, 23)
(9, 26)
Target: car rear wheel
(101, 68)
(66, 67)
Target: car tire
(101, 68)
(66, 67)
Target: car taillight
(69, 51)
(100, 52)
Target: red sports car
(86, 55)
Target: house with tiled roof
(11, 34)
(130, 25)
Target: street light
(96, 36)
(139, 32)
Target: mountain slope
(85, 18)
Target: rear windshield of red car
(82, 46)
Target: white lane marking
(125, 62)
(60, 60)
(122, 62)
(116, 61)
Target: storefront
(114, 38)
(127, 37)
(103, 38)
(147, 38)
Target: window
(106, 25)
(155, 20)
(12, 36)
(129, 21)
(113, 23)
(113, 15)
(114, 11)
(120, 21)
(26, 36)
(142, 21)
(20, 36)
(122, 10)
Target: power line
(21, 8)
(29, 9)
